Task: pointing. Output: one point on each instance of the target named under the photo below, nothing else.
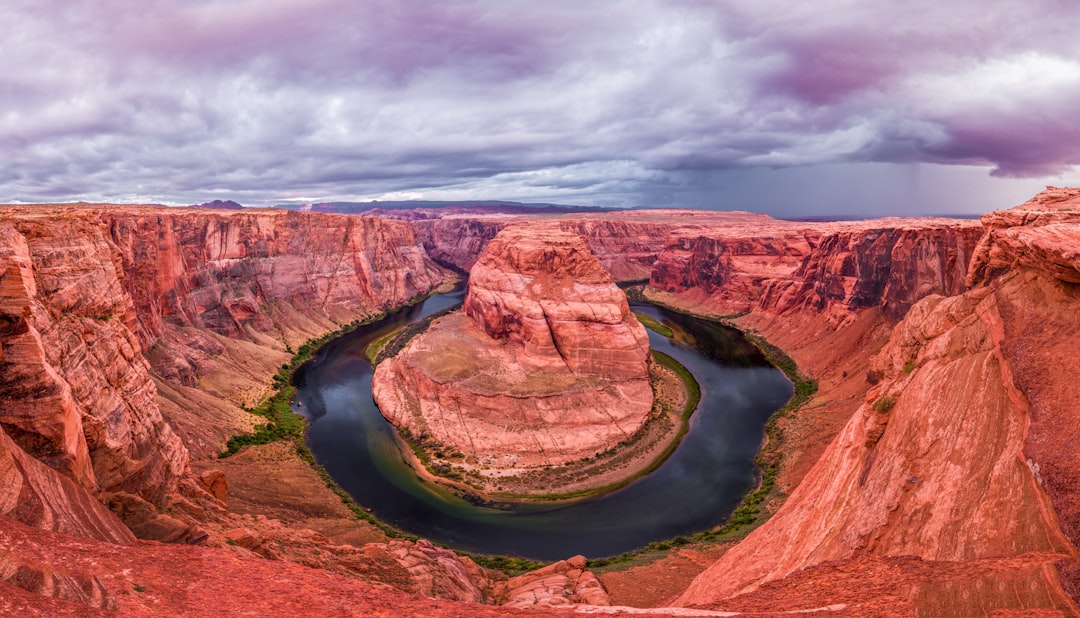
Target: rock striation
(77, 391)
(85, 292)
(833, 269)
(545, 363)
(959, 454)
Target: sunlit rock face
(544, 364)
(547, 292)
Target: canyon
(933, 472)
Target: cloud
(623, 103)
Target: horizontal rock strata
(545, 364)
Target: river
(695, 489)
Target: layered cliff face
(724, 271)
(835, 269)
(544, 365)
(240, 275)
(84, 292)
(962, 454)
(77, 391)
(878, 266)
(458, 241)
(627, 244)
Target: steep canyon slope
(962, 452)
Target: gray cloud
(633, 103)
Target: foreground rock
(545, 364)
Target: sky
(792, 108)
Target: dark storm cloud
(633, 102)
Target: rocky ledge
(544, 365)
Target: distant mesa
(544, 365)
(413, 210)
(219, 205)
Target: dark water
(696, 488)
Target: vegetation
(883, 405)
(653, 324)
(285, 425)
(511, 565)
(909, 366)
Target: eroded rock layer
(833, 269)
(85, 292)
(959, 451)
(545, 364)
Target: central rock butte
(544, 365)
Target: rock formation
(835, 269)
(544, 365)
(959, 453)
(84, 292)
(626, 243)
(725, 270)
(76, 389)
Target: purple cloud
(638, 102)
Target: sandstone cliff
(84, 292)
(546, 364)
(833, 269)
(76, 389)
(959, 453)
(626, 243)
(724, 270)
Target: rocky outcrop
(151, 579)
(961, 451)
(77, 390)
(1038, 234)
(726, 270)
(544, 365)
(561, 584)
(84, 292)
(547, 292)
(834, 269)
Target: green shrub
(883, 405)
